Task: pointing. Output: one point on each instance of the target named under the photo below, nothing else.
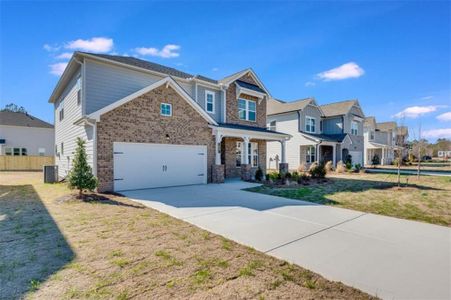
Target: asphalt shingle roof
(328, 137)
(275, 107)
(22, 119)
(246, 127)
(249, 86)
(385, 126)
(337, 108)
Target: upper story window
(371, 135)
(273, 126)
(310, 124)
(166, 109)
(247, 110)
(61, 114)
(78, 90)
(354, 128)
(210, 102)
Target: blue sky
(392, 56)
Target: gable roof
(338, 138)
(274, 106)
(168, 81)
(249, 86)
(229, 79)
(402, 130)
(370, 121)
(11, 118)
(386, 126)
(339, 108)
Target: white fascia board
(241, 90)
(249, 70)
(206, 83)
(347, 137)
(309, 137)
(234, 132)
(62, 79)
(168, 81)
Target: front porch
(382, 154)
(319, 153)
(241, 150)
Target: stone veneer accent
(139, 121)
(246, 172)
(232, 105)
(228, 151)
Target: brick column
(217, 173)
(246, 172)
(283, 168)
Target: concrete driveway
(383, 256)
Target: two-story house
(384, 140)
(147, 125)
(331, 132)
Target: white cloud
(437, 133)
(65, 55)
(50, 48)
(427, 98)
(58, 68)
(444, 117)
(95, 44)
(348, 70)
(309, 83)
(215, 69)
(167, 51)
(416, 111)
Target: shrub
(312, 166)
(348, 166)
(302, 168)
(80, 176)
(287, 175)
(329, 166)
(348, 159)
(259, 174)
(274, 176)
(303, 178)
(340, 167)
(267, 177)
(357, 167)
(318, 171)
(295, 176)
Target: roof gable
(274, 106)
(340, 108)
(236, 76)
(168, 81)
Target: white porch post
(218, 140)
(246, 150)
(317, 153)
(283, 151)
(383, 156)
(333, 155)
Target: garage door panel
(141, 165)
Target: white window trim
(170, 107)
(273, 127)
(310, 155)
(246, 110)
(253, 146)
(213, 101)
(356, 129)
(309, 118)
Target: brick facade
(228, 157)
(139, 121)
(232, 105)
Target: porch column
(334, 155)
(383, 156)
(317, 153)
(218, 140)
(283, 151)
(246, 150)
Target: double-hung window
(311, 154)
(371, 135)
(354, 128)
(210, 102)
(252, 154)
(166, 109)
(310, 124)
(273, 126)
(247, 110)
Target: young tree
(80, 176)
(14, 108)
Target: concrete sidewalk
(388, 257)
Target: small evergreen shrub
(348, 166)
(348, 159)
(357, 167)
(319, 171)
(80, 176)
(375, 160)
(274, 176)
(259, 174)
(295, 176)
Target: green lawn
(427, 199)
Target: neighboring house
(443, 154)
(385, 140)
(147, 125)
(22, 134)
(324, 133)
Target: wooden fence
(24, 163)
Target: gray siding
(311, 111)
(107, 83)
(219, 107)
(31, 138)
(333, 125)
(66, 132)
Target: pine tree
(80, 176)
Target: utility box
(50, 174)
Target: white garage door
(140, 165)
(357, 157)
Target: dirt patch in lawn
(427, 199)
(111, 247)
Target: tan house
(147, 125)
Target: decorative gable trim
(249, 71)
(168, 82)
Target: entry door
(142, 165)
